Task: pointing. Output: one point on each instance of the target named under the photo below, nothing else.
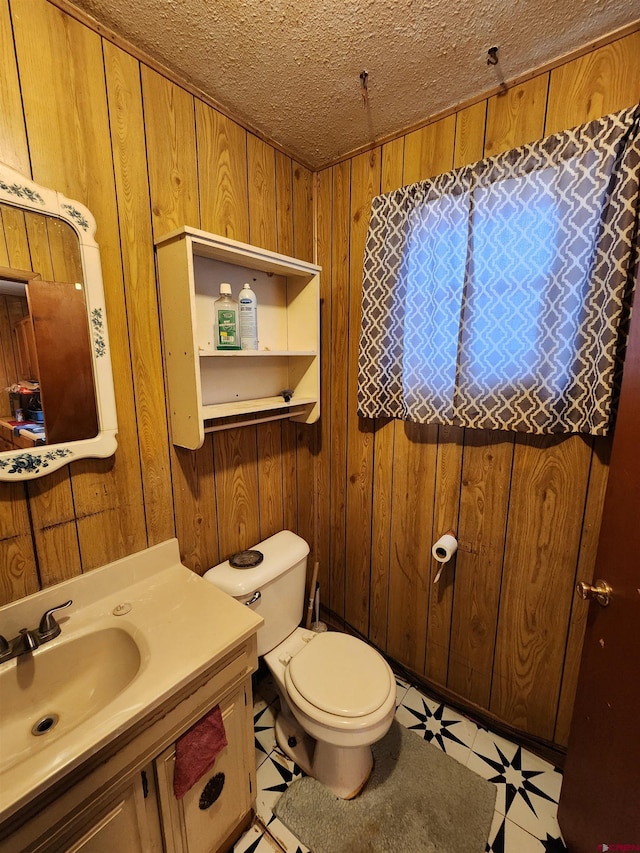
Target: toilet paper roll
(444, 549)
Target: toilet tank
(279, 579)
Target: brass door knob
(600, 591)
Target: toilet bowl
(337, 694)
(338, 698)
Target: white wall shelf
(213, 389)
(260, 353)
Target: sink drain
(44, 725)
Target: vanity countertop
(181, 625)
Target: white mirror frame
(19, 191)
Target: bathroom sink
(138, 632)
(50, 691)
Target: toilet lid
(341, 675)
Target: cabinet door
(125, 826)
(210, 815)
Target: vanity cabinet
(211, 389)
(122, 798)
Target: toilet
(337, 694)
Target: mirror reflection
(47, 389)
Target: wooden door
(65, 365)
(599, 802)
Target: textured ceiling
(291, 70)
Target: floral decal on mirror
(31, 463)
(100, 346)
(77, 217)
(21, 192)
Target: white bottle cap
(225, 288)
(246, 286)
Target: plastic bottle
(226, 319)
(248, 318)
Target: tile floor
(527, 787)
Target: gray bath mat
(417, 800)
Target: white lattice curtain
(497, 296)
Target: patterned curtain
(497, 296)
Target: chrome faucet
(28, 640)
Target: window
(495, 296)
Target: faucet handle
(5, 648)
(28, 640)
(49, 628)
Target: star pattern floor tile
(528, 788)
(437, 724)
(274, 776)
(256, 840)
(264, 717)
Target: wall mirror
(57, 400)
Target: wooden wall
(84, 117)
(502, 631)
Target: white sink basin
(57, 687)
(138, 631)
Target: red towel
(197, 750)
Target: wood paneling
(429, 151)
(392, 168)
(365, 184)
(222, 162)
(39, 249)
(19, 575)
(597, 83)
(484, 497)
(66, 264)
(516, 117)
(546, 507)
(13, 137)
(499, 631)
(263, 231)
(132, 187)
(339, 374)
(304, 437)
(261, 165)
(146, 157)
(324, 191)
(412, 499)
(284, 203)
(445, 513)
(235, 460)
(470, 127)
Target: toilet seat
(339, 675)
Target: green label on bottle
(227, 333)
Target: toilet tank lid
(281, 552)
